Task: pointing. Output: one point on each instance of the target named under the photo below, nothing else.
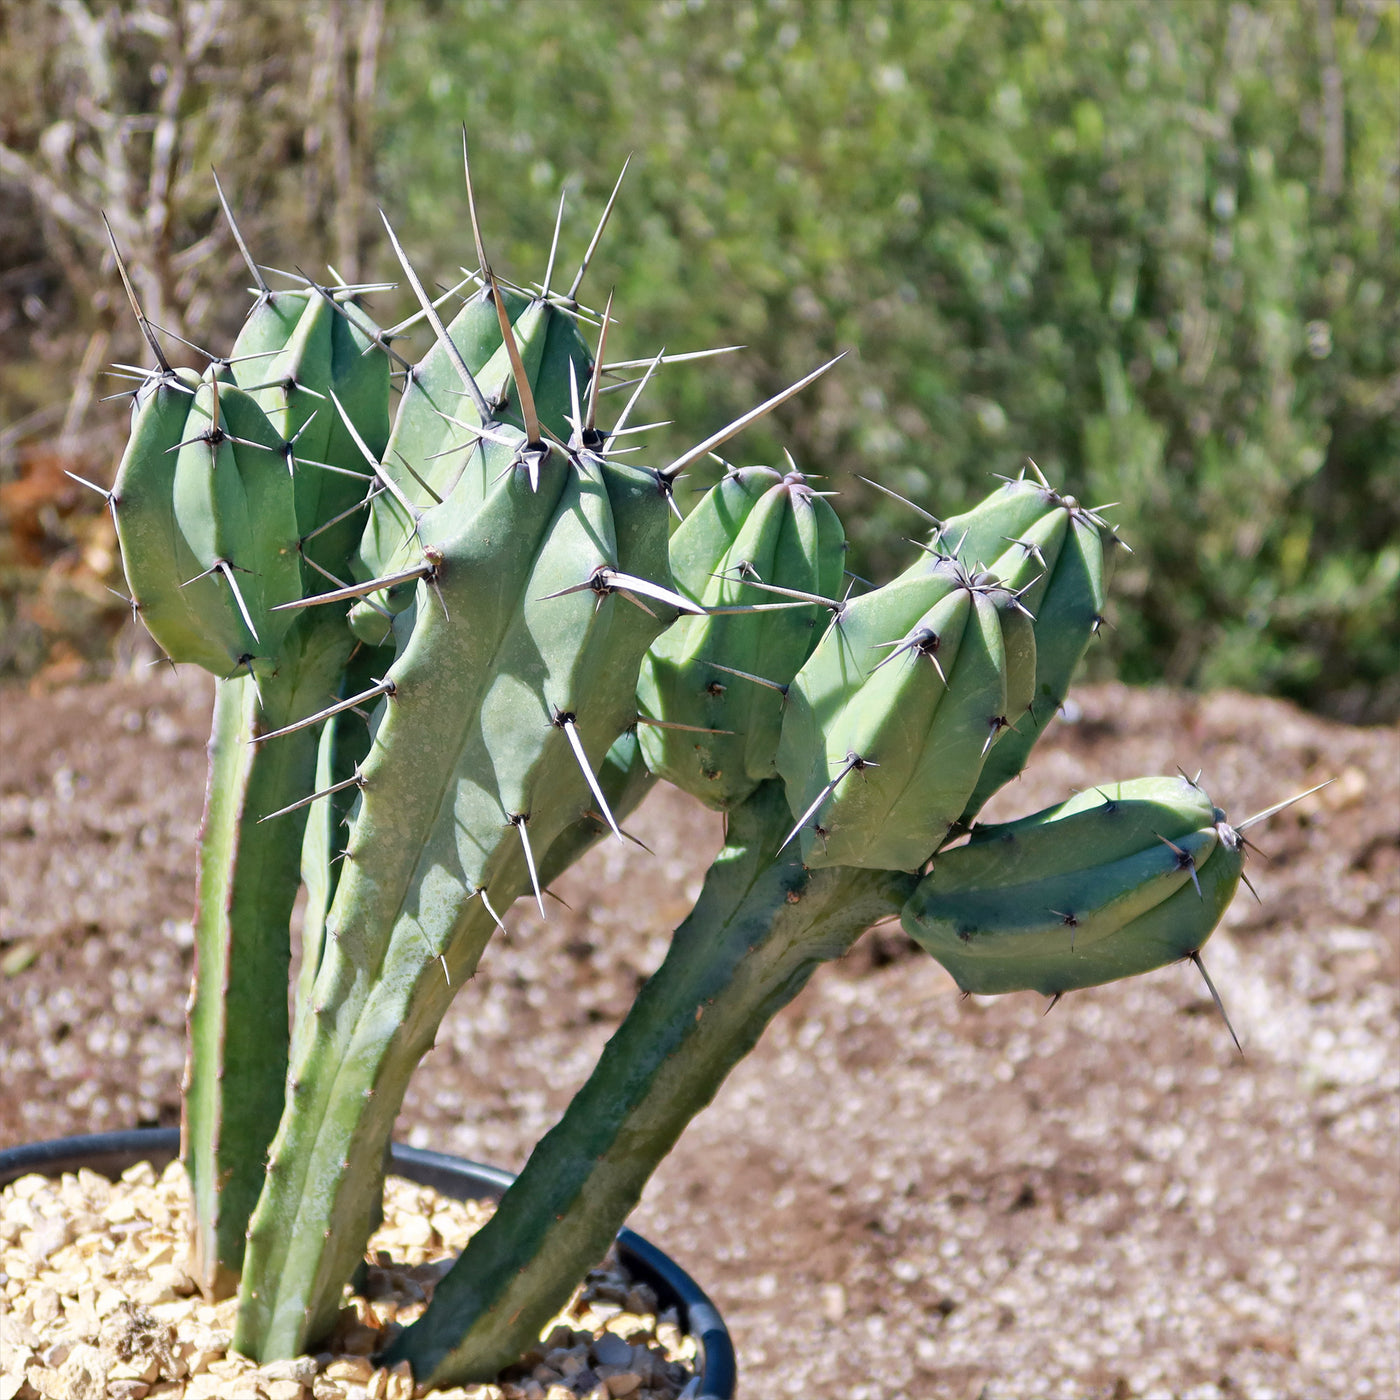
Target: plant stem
(249, 873)
(760, 928)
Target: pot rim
(110, 1154)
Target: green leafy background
(1150, 245)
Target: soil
(900, 1193)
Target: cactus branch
(761, 927)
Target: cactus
(219, 510)
(717, 723)
(1082, 893)
(453, 651)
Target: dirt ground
(900, 1193)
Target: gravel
(900, 1193)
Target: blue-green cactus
(449, 659)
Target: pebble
(99, 1307)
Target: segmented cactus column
(235, 497)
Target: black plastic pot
(110, 1154)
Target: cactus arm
(1068, 606)
(467, 746)
(761, 926)
(344, 744)
(247, 883)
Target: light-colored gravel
(98, 1307)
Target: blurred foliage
(1151, 245)
(118, 110)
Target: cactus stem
(566, 722)
(745, 675)
(136, 305)
(1215, 997)
(384, 687)
(903, 500)
(744, 419)
(356, 780)
(518, 822)
(572, 294)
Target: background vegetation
(1151, 245)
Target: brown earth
(900, 1193)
